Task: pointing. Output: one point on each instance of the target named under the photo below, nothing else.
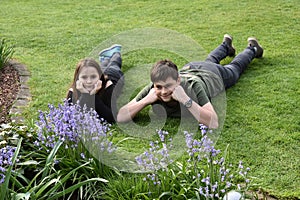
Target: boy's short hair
(162, 70)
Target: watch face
(188, 104)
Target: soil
(9, 88)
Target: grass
(262, 124)
(6, 53)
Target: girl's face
(89, 77)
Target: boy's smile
(164, 89)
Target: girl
(98, 88)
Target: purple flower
(206, 180)
(6, 156)
(241, 165)
(162, 135)
(201, 191)
(228, 185)
(210, 185)
(214, 187)
(2, 178)
(157, 157)
(71, 124)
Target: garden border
(24, 96)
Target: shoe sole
(109, 48)
(231, 54)
(254, 41)
(228, 36)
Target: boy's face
(89, 77)
(164, 89)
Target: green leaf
(6, 52)
(74, 187)
(165, 194)
(16, 182)
(28, 162)
(50, 158)
(22, 196)
(46, 186)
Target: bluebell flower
(157, 156)
(6, 156)
(206, 180)
(2, 178)
(162, 135)
(72, 124)
(241, 165)
(212, 181)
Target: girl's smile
(89, 77)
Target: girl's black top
(102, 101)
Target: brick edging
(23, 97)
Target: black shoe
(252, 42)
(228, 41)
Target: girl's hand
(80, 88)
(97, 87)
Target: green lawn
(263, 116)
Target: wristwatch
(188, 104)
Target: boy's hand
(151, 96)
(179, 94)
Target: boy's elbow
(210, 125)
(120, 118)
(214, 125)
(214, 122)
(123, 117)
